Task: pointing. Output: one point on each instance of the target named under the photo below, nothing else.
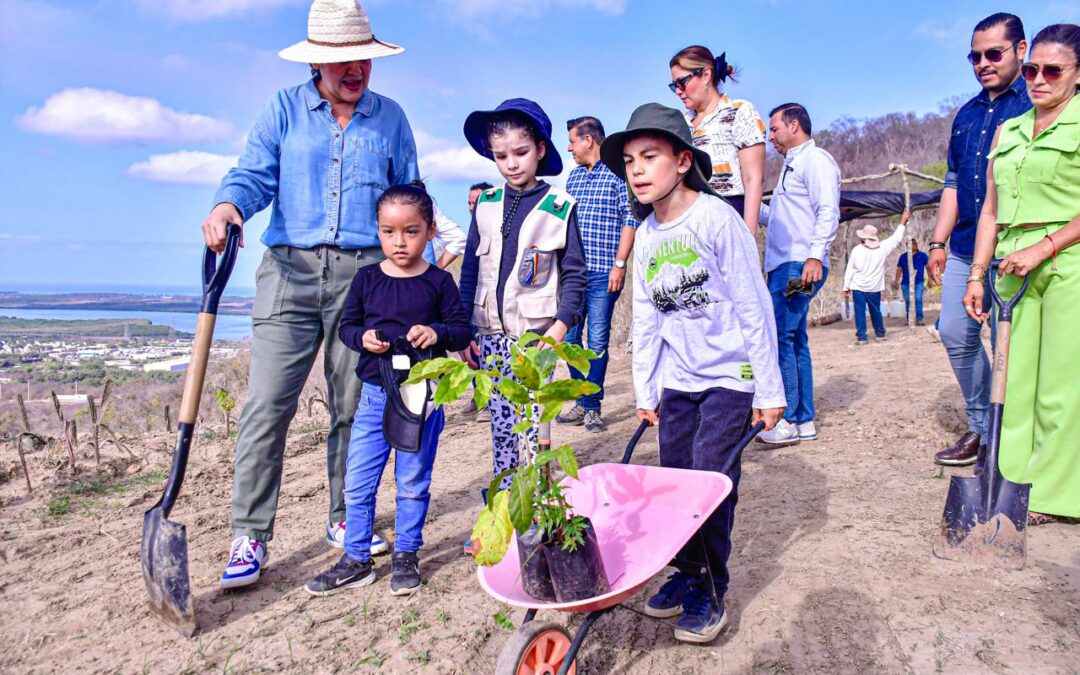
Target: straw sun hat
(338, 31)
(869, 235)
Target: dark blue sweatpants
(699, 431)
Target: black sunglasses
(1050, 73)
(680, 82)
(993, 55)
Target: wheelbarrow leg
(529, 615)
(579, 637)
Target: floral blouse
(734, 125)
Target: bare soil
(832, 567)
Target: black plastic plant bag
(578, 575)
(535, 578)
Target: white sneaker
(247, 557)
(807, 431)
(783, 432)
(335, 536)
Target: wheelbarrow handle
(1005, 307)
(216, 271)
(736, 451)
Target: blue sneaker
(346, 573)
(668, 601)
(335, 536)
(247, 557)
(703, 616)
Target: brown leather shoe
(962, 453)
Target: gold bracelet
(977, 266)
(974, 278)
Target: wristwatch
(621, 264)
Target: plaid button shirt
(603, 209)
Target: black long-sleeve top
(393, 305)
(573, 278)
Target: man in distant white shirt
(864, 278)
(802, 219)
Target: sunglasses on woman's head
(679, 83)
(993, 55)
(1050, 73)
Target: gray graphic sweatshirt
(703, 316)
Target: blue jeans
(796, 368)
(368, 452)
(920, 288)
(961, 338)
(599, 305)
(865, 300)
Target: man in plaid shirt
(607, 230)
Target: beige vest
(530, 298)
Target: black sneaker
(703, 616)
(593, 422)
(668, 601)
(347, 573)
(405, 573)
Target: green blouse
(1038, 179)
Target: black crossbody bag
(403, 428)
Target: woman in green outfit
(1031, 219)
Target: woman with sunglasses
(1031, 219)
(731, 131)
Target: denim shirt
(323, 180)
(969, 152)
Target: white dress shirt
(804, 211)
(866, 266)
(449, 236)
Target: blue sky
(118, 116)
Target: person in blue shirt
(319, 155)
(918, 262)
(997, 51)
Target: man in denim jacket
(997, 51)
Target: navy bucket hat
(476, 131)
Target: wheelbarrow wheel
(537, 648)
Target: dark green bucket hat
(653, 118)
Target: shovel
(985, 516)
(164, 542)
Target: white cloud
(950, 34)
(444, 160)
(97, 115)
(202, 10)
(186, 167)
(505, 8)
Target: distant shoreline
(127, 302)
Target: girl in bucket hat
(704, 338)
(320, 153)
(864, 278)
(524, 265)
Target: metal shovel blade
(985, 521)
(165, 571)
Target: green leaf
(525, 371)
(514, 392)
(550, 412)
(546, 360)
(496, 482)
(492, 532)
(560, 391)
(481, 389)
(433, 368)
(531, 337)
(567, 460)
(522, 426)
(576, 356)
(521, 502)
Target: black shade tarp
(882, 203)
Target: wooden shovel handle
(196, 371)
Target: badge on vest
(536, 267)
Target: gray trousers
(299, 296)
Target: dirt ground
(832, 567)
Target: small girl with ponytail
(730, 130)
(403, 299)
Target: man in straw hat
(321, 153)
(864, 278)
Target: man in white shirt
(802, 219)
(864, 278)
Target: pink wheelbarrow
(643, 516)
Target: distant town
(119, 301)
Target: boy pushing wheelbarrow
(705, 355)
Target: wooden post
(71, 435)
(22, 458)
(909, 299)
(22, 412)
(168, 419)
(94, 421)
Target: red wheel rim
(545, 654)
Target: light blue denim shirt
(323, 181)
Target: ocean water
(140, 289)
(231, 327)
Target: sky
(119, 117)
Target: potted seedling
(559, 555)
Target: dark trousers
(867, 301)
(699, 431)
